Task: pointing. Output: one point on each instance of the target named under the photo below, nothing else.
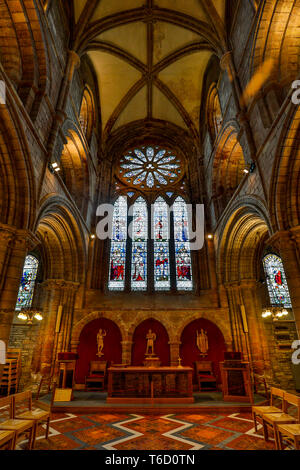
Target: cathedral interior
(149, 222)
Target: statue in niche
(202, 342)
(100, 341)
(151, 337)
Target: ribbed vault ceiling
(149, 56)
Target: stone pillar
(174, 352)
(256, 338)
(126, 351)
(232, 291)
(288, 244)
(59, 293)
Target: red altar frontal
(150, 385)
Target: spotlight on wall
(92, 236)
(210, 236)
(53, 167)
(246, 171)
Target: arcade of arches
(150, 101)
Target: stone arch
(161, 345)
(75, 169)
(214, 116)
(87, 113)
(242, 234)
(78, 327)
(221, 322)
(277, 39)
(17, 185)
(87, 345)
(155, 315)
(189, 351)
(284, 200)
(227, 169)
(63, 244)
(27, 61)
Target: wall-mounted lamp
(53, 167)
(249, 169)
(30, 315)
(275, 313)
(92, 236)
(210, 236)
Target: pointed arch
(184, 279)
(27, 284)
(139, 236)
(276, 281)
(161, 237)
(117, 263)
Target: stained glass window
(139, 245)
(276, 281)
(27, 283)
(149, 167)
(161, 245)
(118, 246)
(182, 246)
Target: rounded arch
(284, 203)
(189, 351)
(63, 244)
(227, 170)
(161, 345)
(87, 348)
(220, 321)
(242, 234)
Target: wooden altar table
(150, 385)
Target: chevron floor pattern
(205, 431)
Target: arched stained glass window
(139, 245)
(182, 246)
(276, 281)
(161, 245)
(118, 246)
(27, 283)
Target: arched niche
(87, 348)
(189, 351)
(161, 346)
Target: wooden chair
(258, 411)
(18, 426)
(290, 432)
(37, 415)
(7, 439)
(260, 385)
(204, 373)
(273, 420)
(97, 376)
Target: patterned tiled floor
(152, 432)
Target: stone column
(59, 293)
(256, 338)
(126, 351)
(174, 352)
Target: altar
(150, 385)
